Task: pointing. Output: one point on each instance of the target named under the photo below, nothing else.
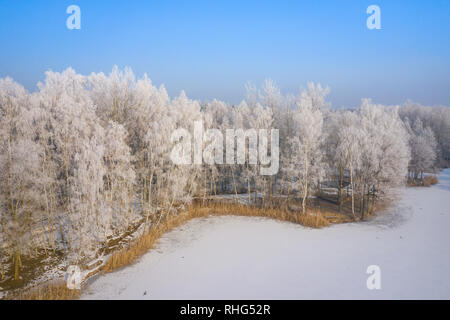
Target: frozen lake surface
(256, 258)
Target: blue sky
(212, 48)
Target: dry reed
(49, 291)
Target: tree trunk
(270, 191)
(362, 202)
(17, 264)
(234, 184)
(248, 187)
(353, 196)
(305, 194)
(341, 176)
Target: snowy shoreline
(256, 258)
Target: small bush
(430, 180)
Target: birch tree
(21, 199)
(306, 153)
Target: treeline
(85, 157)
(429, 130)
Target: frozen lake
(256, 258)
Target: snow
(256, 258)
(73, 277)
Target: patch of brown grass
(138, 247)
(313, 218)
(49, 291)
(425, 182)
(430, 180)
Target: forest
(85, 158)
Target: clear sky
(212, 48)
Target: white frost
(73, 278)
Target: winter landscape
(257, 258)
(90, 182)
(206, 152)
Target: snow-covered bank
(256, 258)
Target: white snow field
(256, 258)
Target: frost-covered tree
(334, 150)
(21, 186)
(347, 151)
(88, 215)
(384, 151)
(119, 180)
(113, 94)
(74, 140)
(306, 163)
(423, 149)
(437, 119)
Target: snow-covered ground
(255, 258)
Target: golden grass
(137, 248)
(426, 182)
(430, 180)
(49, 291)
